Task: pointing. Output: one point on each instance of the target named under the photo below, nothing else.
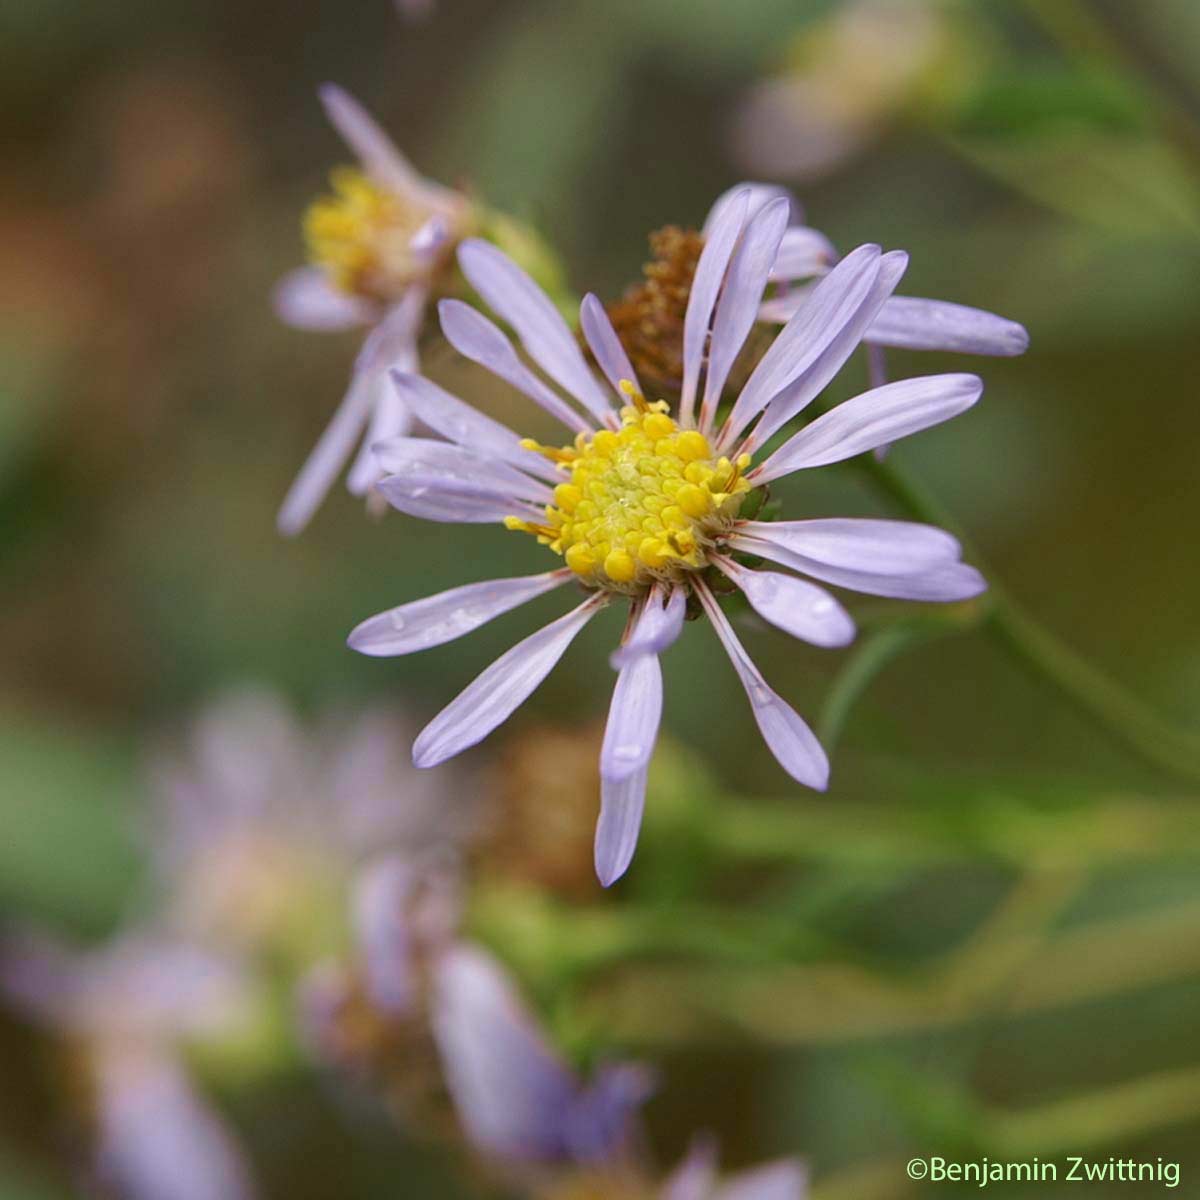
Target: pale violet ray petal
(433, 620)
(830, 306)
(328, 457)
(404, 456)
(719, 240)
(605, 345)
(511, 293)
(779, 310)
(872, 419)
(383, 937)
(480, 340)
(882, 547)
(633, 717)
(807, 386)
(390, 418)
(466, 426)
(794, 605)
(941, 584)
(803, 253)
(695, 1177)
(622, 802)
(789, 739)
(737, 307)
(378, 154)
(661, 623)
(158, 1139)
(305, 299)
(393, 342)
(914, 323)
(783, 1180)
(453, 501)
(757, 194)
(513, 1095)
(493, 697)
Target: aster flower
(379, 245)
(128, 1010)
(645, 507)
(525, 1109)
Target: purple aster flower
(128, 1009)
(377, 247)
(645, 507)
(521, 1106)
(909, 322)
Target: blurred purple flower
(377, 249)
(128, 1008)
(516, 1099)
(523, 1107)
(643, 504)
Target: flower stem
(1106, 702)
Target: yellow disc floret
(645, 502)
(362, 234)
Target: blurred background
(985, 939)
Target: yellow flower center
(646, 502)
(361, 235)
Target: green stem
(1173, 750)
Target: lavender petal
(862, 544)
(793, 605)
(480, 340)
(803, 253)
(510, 292)
(605, 345)
(806, 386)
(720, 238)
(458, 422)
(737, 308)
(872, 419)
(789, 739)
(832, 305)
(917, 324)
(493, 697)
(434, 620)
(305, 299)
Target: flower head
(380, 245)
(645, 505)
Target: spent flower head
(647, 503)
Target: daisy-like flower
(560, 1136)
(379, 247)
(644, 506)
